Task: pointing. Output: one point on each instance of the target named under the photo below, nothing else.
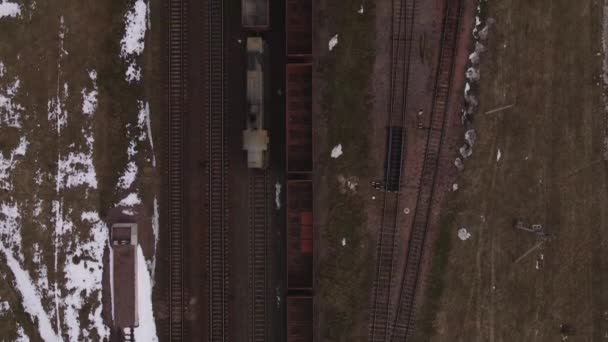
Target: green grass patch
(436, 281)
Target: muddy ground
(550, 172)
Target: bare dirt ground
(550, 172)
(68, 176)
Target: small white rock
(463, 234)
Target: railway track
(218, 243)
(403, 13)
(403, 325)
(177, 42)
(258, 224)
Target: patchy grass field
(74, 142)
(544, 56)
(344, 272)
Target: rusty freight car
(298, 27)
(299, 117)
(299, 235)
(300, 319)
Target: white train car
(255, 137)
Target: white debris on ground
(277, 195)
(463, 234)
(30, 297)
(498, 155)
(333, 42)
(133, 41)
(360, 11)
(336, 151)
(455, 187)
(147, 326)
(9, 9)
(343, 242)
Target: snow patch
(21, 336)
(76, 169)
(4, 307)
(131, 200)
(10, 111)
(89, 98)
(9, 9)
(132, 42)
(30, 297)
(336, 151)
(333, 42)
(360, 11)
(83, 273)
(343, 242)
(128, 176)
(8, 165)
(144, 110)
(133, 73)
(498, 155)
(147, 326)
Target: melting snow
(89, 99)
(132, 42)
(336, 151)
(21, 336)
(7, 165)
(2, 70)
(76, 169)
(9, 9)
(30, 297)
(83, 272)
(333, 42)
(147, 326)
(145, 110)
(277, 195)
(4, 307)
(128, 176)
(133, 72)
(463, 234)
(10, 227)
(10, 111)
(131, 200)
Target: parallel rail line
(177, 59)
(218, 242)
(403, 324)
(403, 12)
(258, 224)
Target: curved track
(258, 214)
(218, 243)
(177, 46)
(403, 13)
(403, 325)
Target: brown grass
(542, 56)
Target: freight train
(255, 137)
